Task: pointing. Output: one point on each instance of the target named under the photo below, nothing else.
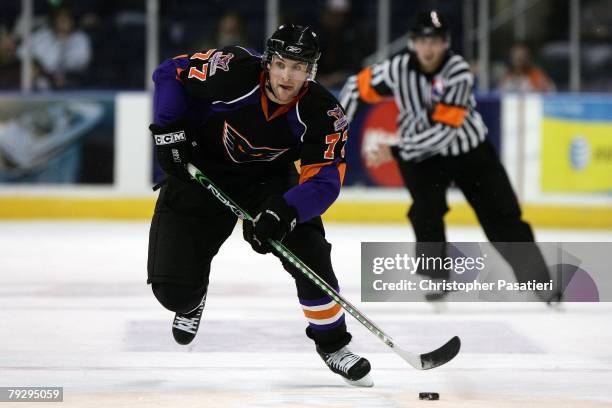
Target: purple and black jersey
(221, 94)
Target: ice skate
(185, 326)
(436, 295)
(353, 368)
(438, 298)
(554, 300)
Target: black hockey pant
(190, 225)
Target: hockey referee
(442, 140)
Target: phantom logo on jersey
(241, 151)
(341, 121)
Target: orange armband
(449, 115)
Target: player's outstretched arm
(172, 137)
(322, 168)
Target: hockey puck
(429, 396)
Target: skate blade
(365, 381)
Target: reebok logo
(170, 138)
(227, 202)
(293, 49)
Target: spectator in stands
(230, 30)
(10, 68)
(342, 42)
(60, 52)
(523, 75)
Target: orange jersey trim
(179, 70)
(283, 108)
(178, 74)
(366, 92)
(449, 115)
(311, 170)
(322, 314)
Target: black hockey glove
(274, 222)
(174, 148)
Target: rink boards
(538, 135)
(344, 210)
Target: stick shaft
(282, 251)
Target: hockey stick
(425, 361)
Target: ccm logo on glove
(175, 146)
(170, 138)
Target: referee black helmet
(430, 24)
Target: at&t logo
(579, 153)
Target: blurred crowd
(101, 44)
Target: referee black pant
(482, 178)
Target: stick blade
(432, 359)
(442, 355)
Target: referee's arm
(371, 85)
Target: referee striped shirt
(437, 111)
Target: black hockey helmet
(294, 42)
(430, 24)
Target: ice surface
(75, 312)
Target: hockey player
(244, 119)
(442, 140)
